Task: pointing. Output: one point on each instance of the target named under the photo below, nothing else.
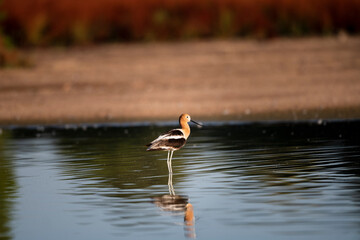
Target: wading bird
(173, 140)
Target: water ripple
(242, 180)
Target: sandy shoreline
(315, 78)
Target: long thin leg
(167, 161)
(171, 154)
(170, 184)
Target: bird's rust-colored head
(184, 118)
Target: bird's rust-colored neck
(185, 127)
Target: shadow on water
(292, 164)
(288, 154)
(8, 188)
(111, 156)
(248, 179)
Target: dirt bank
(230, 80)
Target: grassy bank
(283, 79)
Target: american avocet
(173, 140)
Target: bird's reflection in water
(177, 204)
(189, 220)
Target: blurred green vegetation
(9, 56)
(65, 22)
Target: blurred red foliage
(44, 22)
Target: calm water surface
(244, 181)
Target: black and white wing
(172, 140)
